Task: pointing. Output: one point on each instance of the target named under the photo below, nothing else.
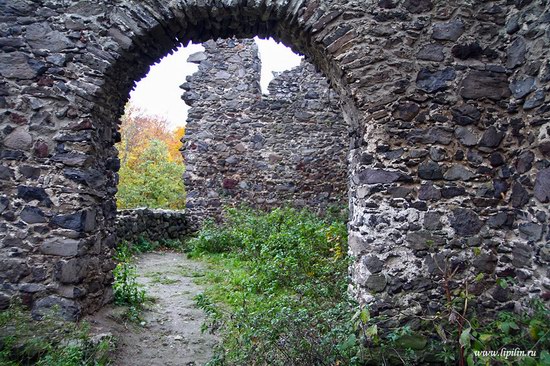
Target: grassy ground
(50, 342)
(277, 289)
(277, 295)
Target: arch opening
(163, 35)
(265, 151)
(288, 147)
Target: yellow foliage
(175, 144)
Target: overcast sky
(159, 93)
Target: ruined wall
(240, 147)
(453, 173)
(448, 108)
(151, 224)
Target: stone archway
(449, 151)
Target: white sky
(158, 93)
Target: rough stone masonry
(447, 104)
(241, 147)
(151, 224)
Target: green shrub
(213, 239)
(278, 296)
(528, 332)
(154, 181)
(142, 245)
(173, 244)
(278, 291)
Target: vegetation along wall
(288, 147)
(446, 101)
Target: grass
(160, 277)
(53, 342)
(277, 289)
(189, 272)
(49, 342)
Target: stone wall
(452, 171)
(242, 147)
(447, 104)
(151, 224)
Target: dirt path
(171, 335)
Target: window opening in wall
(275, 58)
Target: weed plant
(278, 293)
(127, 291)
(527, 332)
(48, 342)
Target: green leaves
(153, 181)
(479, 277)
(360, 318)
(282, 275)
(348, 343)
(126, 289)
(287, 247)
(48, 342)
(507, 326)
(465, 338)
(486, 342)
(485, 337)
(372, 331)
(365, 315)
(502, 283)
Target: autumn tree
(151, 163)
